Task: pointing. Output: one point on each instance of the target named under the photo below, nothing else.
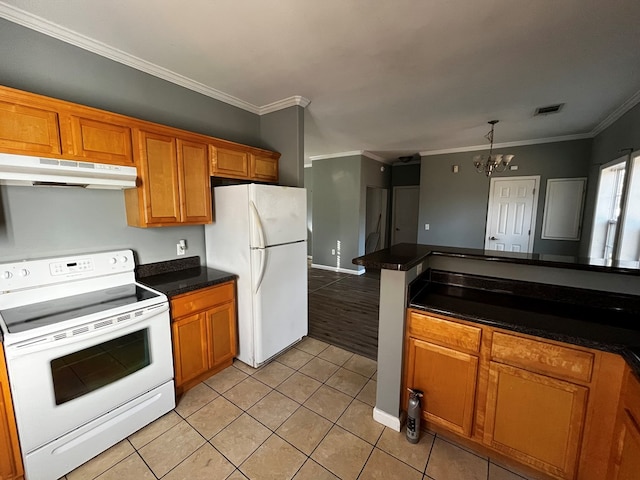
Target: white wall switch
(426, 226)
(181, 247)
(333, 251)
(455, 169)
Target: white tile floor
(306, 415)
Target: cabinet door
(229, 163)
(535, 419)
(28, 130)
(195, 182)
(627, 461)
(222, 333)
(448, 379)
(98, 140)
(10, 459)
(159, 178)
(264, 168)
(190, 348)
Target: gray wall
(339, 202)
(36, 222)
(455, 204)
(624, 133)
(283, 131)
(308, 184)
(374, 174)
(336, 211)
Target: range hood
(52, 172)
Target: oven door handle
(40, 344)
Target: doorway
(405, 214)
(376, 219)
(511, 214)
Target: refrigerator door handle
(263, 268)
(258, 224)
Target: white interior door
(405, 214)
(511, 214)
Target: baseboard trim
(338, 269)
(386, 419)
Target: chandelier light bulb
(492, 163)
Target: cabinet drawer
(202, 299)
(444, 332)
(542, 357)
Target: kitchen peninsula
(500, 327)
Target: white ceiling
(391, 77)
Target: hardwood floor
(343, 310)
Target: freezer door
(278, 215)
(280, 298)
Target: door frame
(534, 209)
(393, 211)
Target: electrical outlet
(333, 251)
(426, 226)
(181, 247)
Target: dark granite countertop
(175, 277)
(599, 320)
(404, 256)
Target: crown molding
(296, 100)
(66, 35)
(521, 143)
(364, 153)
(617, 113)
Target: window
(616, 224)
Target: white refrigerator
(259, 232)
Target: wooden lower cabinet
(625, 452)
(204, 333)
(10, 459)
(447, 379)
(535, 419)
(546, 405)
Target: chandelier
(491, 163)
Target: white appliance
(88, 354)
(23, 170)
(259, 232)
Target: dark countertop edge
(165, 284)
(402, 260)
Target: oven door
(58, 386)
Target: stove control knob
(113, 260)
(7, 274)
(124, 259)
(24, 272)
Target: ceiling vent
(548, 110)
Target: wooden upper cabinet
(263, 168)
(229, 163)
(10, 458)
(194, 181)
(96, 138)
(28, 129)
(174, 182)
(244, 163)
(159, 175)
(535, 419)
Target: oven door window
(84, 371)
